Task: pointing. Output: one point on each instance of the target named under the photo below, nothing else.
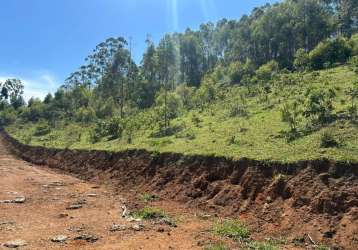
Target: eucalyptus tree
(12, 91)
(166, 69)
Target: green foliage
(239, 72)
(147, 197)
(113, 128)
(291, 113)
(267, 71)
(150, 213)
(256, 245)
(352, 92)
(319, 104)
(106, 109)
(187, 95)
(354, 44)
(328, 140)
(233, 229)
(85, 115)
(329, 52)
(173, 105)
(238, 106)
(302, 60)
(7, 116)
(42, 129)
(217, 246)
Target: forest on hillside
(283, 58)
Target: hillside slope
(239, 123)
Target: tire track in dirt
(43, 214)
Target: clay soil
(43, 215)
(304, 206)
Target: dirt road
(39, 206)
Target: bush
(42, 129)
(114, 128)
(149, 213)
(85, 115)
(217, 246)
(330, 52)
(319, 105)
(302, 60)
(106, 108)
(7, 116)
(186, 95)
(291, 114)
(174, 105)
(255, 245)
(238, 72)
(328, 140)
(354, 44)
(233, 229)
(267, 71)
(98, 132)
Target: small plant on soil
(152, 213)
(322, 247)
(255, 245)
(147, 197)
(328, 140)
(149, 213)
(217, 246)
(233, 229)
(42, 129)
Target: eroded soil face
(46, 208)
(45, 214)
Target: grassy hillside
(240, 122)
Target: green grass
(257, 245)
(217, 246)
(147, 197)
(214, 131)
(232, 229)
(149, 213)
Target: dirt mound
(316, 198)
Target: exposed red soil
(315, 198)
(43, 215)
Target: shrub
(238, 72)
(34, 111)
(255, 245)
(42, 129)
(238, 106)
(267, 71)
(217, 246)
(149, 213)
(186, 95)
(85, 115)
(147, 197)
(319, 104)
(354, 44)
(328, 140)
(233, 229)
(329, 52)
(106, 108)
(302, 60)
(7, 116)
(291, 113)
(114, 128)
(97, 132)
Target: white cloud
(38, 86)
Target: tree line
(291, 35)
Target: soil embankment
(313, 199)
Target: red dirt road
(43, 215)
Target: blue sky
(42, 41)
